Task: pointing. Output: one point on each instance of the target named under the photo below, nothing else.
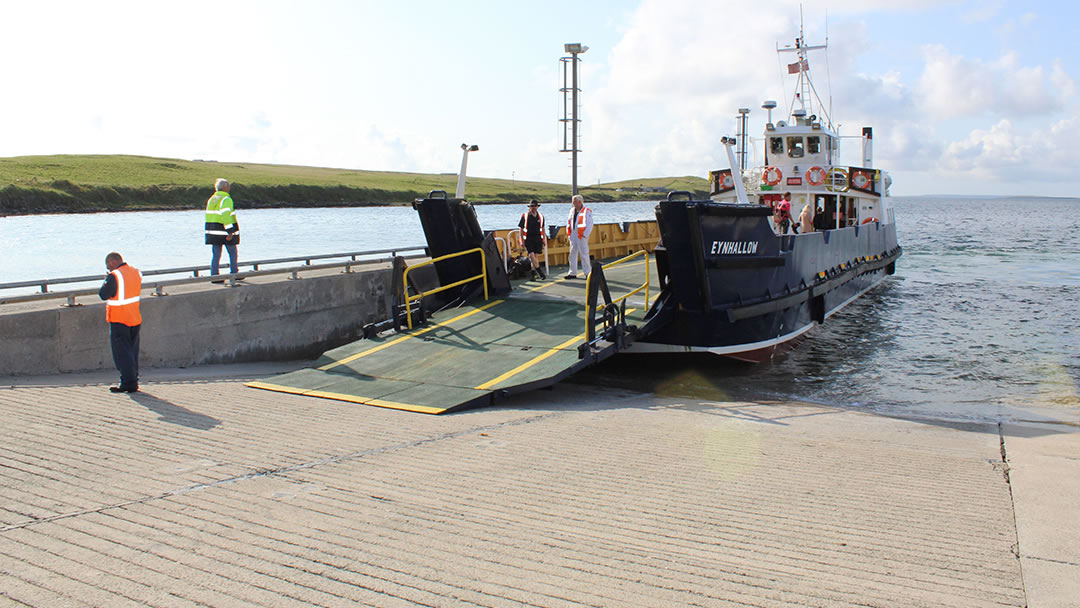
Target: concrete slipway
(198, 491)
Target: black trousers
(125, 353)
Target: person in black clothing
(820, 221)
(533, 238)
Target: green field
(88, 183)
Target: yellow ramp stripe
(377, 402)
(406, 337)
(343, 397)
(423, 409)
(524, 366)
(276, 387)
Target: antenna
(768, 105)
(806, 96)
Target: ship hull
(732, 287)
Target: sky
(965, 97)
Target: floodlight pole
(571, 63)
(465, 149)
(742, 138)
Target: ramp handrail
(638, 289)
(611, 306)
(420, 294)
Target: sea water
(979, 320)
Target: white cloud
(954, 86)
(1005, 155)
(662, 83)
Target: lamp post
(465, 149)
(571, 64)
(742, 138)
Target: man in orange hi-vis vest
(121, 294)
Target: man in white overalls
(578, 228)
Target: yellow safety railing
(643, 286)
(420, 294)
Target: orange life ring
(860, 179)
(869, 219)
(815, 176)
(770, 171)
(727, 182)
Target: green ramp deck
(467, 356)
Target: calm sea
(980, 319)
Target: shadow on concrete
(174, 414)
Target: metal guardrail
(643, 287)
(355, 258)
(420, 294)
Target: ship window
(813, 144)
(795, 147)
(776, 145)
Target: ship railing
(612, 304)
(354, 258)
(420, 294)
(514, 236)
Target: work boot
(541, 272)
(535, 276)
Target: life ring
(726, 182)
(860, 180)
(772, 175)
(838, 180)
(869, 219)
(815, 176)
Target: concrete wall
(255, 321)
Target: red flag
(798, 66)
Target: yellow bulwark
(469, 356)
(607, 241)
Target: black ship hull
(731, 286)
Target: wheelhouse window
(776, 145)
(813, 144)
(795, 146)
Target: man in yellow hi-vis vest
(222, 229)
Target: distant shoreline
(108, 199)
(38, 185)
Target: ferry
(731, 280)
(734, 281)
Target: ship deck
(471, 355)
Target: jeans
(125, 353)
(215, 257)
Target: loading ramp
(464, 335)
(476, 353)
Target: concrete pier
(264, 318)
(200, 492)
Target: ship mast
(805, 93)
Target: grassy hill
(88, 183)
